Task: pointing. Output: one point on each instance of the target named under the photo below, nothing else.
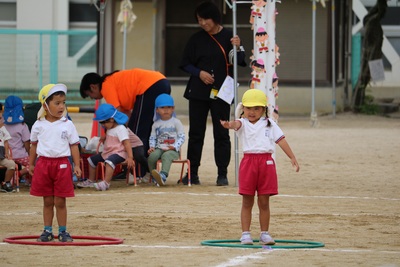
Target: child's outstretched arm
(231, 124)
(288, 151)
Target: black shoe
(65, 237)
(7, 188)
(194, 179)
(222, 181)
(45, 237)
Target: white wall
(42, 14)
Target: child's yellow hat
(254, 98)
(47, 91)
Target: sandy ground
(346, 196)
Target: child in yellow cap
(257, 171)
(54, 139)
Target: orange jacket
(121, 88)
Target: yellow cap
(50, 89)
(47, 91)
(254, 98)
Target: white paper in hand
(227, 90)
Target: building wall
(293, 36)
(139, 41)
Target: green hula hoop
(231, 243)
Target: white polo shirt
(54, 138)
(258, 137)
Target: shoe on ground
(159, 177)
(222, 181)
(246, 239)
(46, 236)
(131, 179)
(64, 237)
(7, 188)
(146, 178)
(102, 186)
(266, 239)
(84, 184)
(194, 179)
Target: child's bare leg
(23, 172)
(9, 175)
(61, 209)
(245, 215)
(109, 173)
(263, 205)
(92, 173)
(48, 210)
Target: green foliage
(368, 107)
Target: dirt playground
(346, 196)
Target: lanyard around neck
(223, 52)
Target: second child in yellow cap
(257, 172)
(54, 139)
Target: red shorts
(52, 177)
(257, 173)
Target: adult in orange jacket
(132, 92)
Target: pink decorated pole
(265, 56)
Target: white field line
(236, 195)
(15, 213)
(222, 195)
(7, 213)
(260, 251)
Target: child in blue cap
(117, 147)
(19, 131)
(166, 138)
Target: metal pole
(101, 38)
(101, 9)
(235, 86)
(236, 94)
(333, 62)
(313, 113)
(101, 34)
(125, 14)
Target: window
(8, 14)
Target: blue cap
(107, 111)
(13, 110)
(164, 100)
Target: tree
(371, 49)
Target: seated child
(166, 138)
(5, 158)
(19, 131)
(116, 149)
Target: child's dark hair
(92, 78)
(266, 115)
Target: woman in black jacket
(208, 59)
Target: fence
(33, 58)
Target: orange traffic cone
(95, 124)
